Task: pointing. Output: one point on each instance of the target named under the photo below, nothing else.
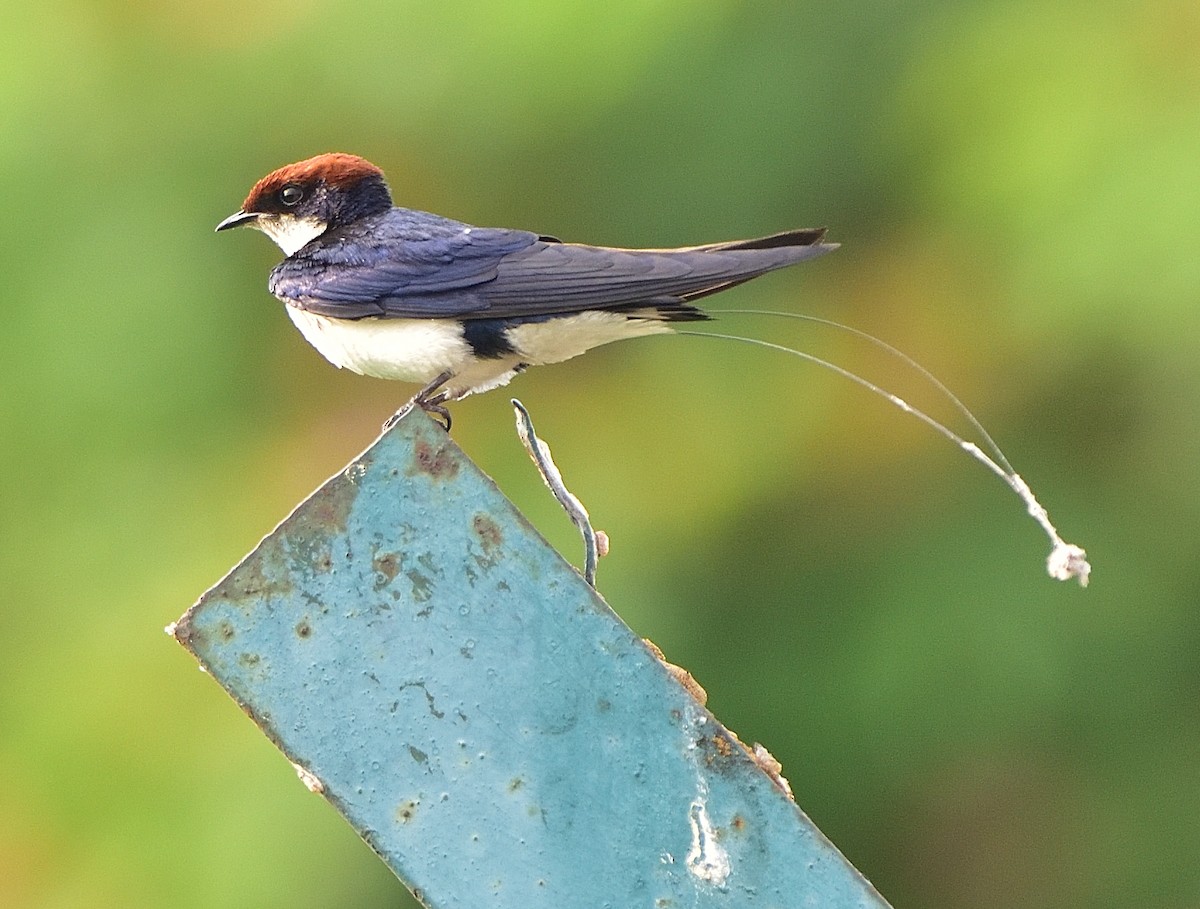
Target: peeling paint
(422, 586)
(707, 859)
(310, 780)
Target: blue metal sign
(479, 714)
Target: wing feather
(417, 265)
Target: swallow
(402, 294)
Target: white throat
(289, 232)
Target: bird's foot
(430, 400)
(435, 406)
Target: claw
(429, 400)
(434, 406)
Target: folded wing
(421, 266)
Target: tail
(550, 279)
(769, 253)
(805, 242)
(745, 260)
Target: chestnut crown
(333, 188)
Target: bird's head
(297, 203)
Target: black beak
(238, 219)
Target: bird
(397, 293)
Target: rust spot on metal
(490, 538)
(327, 510)
(724, 746)
(719, 751)
(406, 811)
(515, 783)
(309, 533)
(186, 633)
(303, 629)
(437, 461)
(738, 823)
(387, 566)
(260, 575)
(488, 531)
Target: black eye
(291, 194)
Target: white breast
(408, 350)
(418, 350)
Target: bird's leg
(429, 399)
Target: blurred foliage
(1016, 186)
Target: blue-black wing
(415, 265)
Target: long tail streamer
(1065, 561)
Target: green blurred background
(1016, 186)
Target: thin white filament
(908, 361)
(1065, 561)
